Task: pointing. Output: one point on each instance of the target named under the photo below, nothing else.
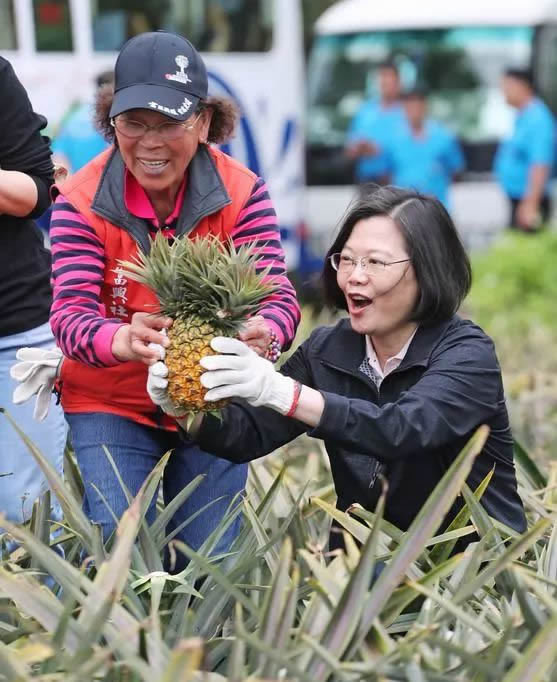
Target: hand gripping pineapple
(209, 289)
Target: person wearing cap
(524, 160)
(160, 175)
(421, 153)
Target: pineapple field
(393, 606)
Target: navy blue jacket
(413, 427)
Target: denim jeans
(22, 480)
(136, 449)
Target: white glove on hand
(157, 385)
(36, 372)
(241, 373)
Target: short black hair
(417, 92)
(388, 65)
(521, 74)
(440, 262)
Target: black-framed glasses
(341, 262)
(168, 130)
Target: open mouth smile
(153, 167)
(357, 303)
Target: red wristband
(295, 399)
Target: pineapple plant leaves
(277, 606)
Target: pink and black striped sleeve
(78, 317)
(257, 225)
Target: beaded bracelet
(273, 349)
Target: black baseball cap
(160, 71)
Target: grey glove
(36, 372)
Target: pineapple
(209, 289)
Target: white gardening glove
(241, 373)
(36, 372)
(157, 385)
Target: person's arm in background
(542, 152)
(257, 225)
(358, 143)
(77, 317)
(26, 169)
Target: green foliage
(277, 606)
(515, 288)
(513, 299)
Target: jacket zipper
(377, 466)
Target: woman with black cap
(160, 175)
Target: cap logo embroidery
(182, 109)
(181, 76)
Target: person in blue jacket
(421, 153)
(524, 160)
(372, 127)
(78, 140)
(396, 389)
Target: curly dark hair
(223, 120)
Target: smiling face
(158, 164)
(379, 302)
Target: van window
(460, 67)
(53, 27)
(211, 25)
(8, 39)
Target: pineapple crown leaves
(205, 277)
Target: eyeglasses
(343, 263)
(167, 130)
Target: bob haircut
(434, 247)
(223, 119)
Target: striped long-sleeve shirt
(84, 329)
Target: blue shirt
(77, 139)
(374, 123)
(532, 142)
(426, 163)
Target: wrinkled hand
(132, 341)
(36, 372)
(157, 384)
(241, 373)
(256, 334)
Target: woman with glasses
(395, 389)
(160, 175)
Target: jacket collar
(345, 349)
(205, 195)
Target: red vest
(121, 389)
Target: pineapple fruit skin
(190, 340)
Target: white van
(252, 48)
(458, 50)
